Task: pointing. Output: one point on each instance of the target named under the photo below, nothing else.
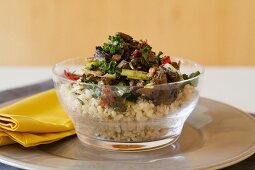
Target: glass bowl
(127, 118)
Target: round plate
(215, 136)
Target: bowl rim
(83, 83)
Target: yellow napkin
(35, 120)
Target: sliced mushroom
(167, 94)
(150, 93)
(161, 94)
(100, 55)
(171, 75)
(152, 59)
(160, 77)
(123, 64)
(125, 37)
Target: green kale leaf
(109, 68)
(114, 45)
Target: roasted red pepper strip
(143, 44)
(166, 60)
(136, 53)
(71, 76)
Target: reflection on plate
(215, 136)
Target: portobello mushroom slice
(110, 98)
(160, 77)
(125, 37)
(100, 55)
(162, 94)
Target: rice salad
(124, 129)
(128, 93)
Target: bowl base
(127, 146)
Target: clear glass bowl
(129, 118)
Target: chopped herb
(97, 92)
(158, 56)
(185, 76)
(82, 103)
(192, 75)
(145, 52)
(114, 45)
(108, 67)
(195, 74)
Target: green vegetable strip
(135, 74)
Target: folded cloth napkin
(36, 120)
